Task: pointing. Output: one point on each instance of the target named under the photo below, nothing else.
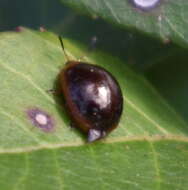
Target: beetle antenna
(62, 45)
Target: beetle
(92, 97)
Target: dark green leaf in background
(147, 151)
(167, 21)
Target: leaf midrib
(154, 138)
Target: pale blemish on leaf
(42, 29)
(41, 119)
(145, 4)
(19, 29)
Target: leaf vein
(153, 138)
(111, 10)
(156, 165)
(30, 81)
(27, 131)
(146, 116)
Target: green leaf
(167, 21)
(148, 150)
(173, 86)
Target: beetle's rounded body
(93, 98)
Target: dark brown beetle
(92, 96)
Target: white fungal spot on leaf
(145, 4)
(41, 119)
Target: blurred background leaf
(167, 20)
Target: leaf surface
(167, 20)
(148, 150)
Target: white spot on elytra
(41, 119)
(146, 4)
